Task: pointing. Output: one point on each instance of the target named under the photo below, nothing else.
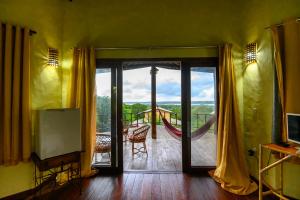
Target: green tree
(138, 107)
(103, 111)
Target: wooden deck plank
(164, 153)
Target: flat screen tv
(293, 127)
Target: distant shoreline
(206, 103)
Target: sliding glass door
(203, 116)
(199, 83)
(107, 155)
(104, 129)
(199, 99)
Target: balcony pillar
(153, 101)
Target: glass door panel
(203, 116)
(102, 155)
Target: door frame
(117, 138)
(186, 66)
(116, 166)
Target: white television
(58, 132)
(293, 127)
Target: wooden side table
(47, 170)
(285, 153)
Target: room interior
(65, 25)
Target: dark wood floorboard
(148, 186)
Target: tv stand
(283, 144)
(47, 170)
(285, 153)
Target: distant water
(194, 103)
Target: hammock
(177, 134)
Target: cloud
(168, 76)
(169, 89)
(137, 85)
(103, 84)
(206, 95)
(202, 86)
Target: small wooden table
(48, 169)
(285, 153)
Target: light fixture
(250, 53)
(53, 57)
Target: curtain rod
(281, 24)
(155, 47)
(31, 32)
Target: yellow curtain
(15, 133)
(82, 96)
(287, 60)
(231, 171)
(280, 79)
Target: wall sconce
(53, 57)
(250, 53)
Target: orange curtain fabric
(15, 133)
(286, 41)
(280, 79)
(231, 171)
(82, 96)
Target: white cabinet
(58, 132)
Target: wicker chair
(125, 132)
(139, 135)
(103, 144)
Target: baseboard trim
(20, 195)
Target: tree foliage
(130, 112)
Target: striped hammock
(177, 134)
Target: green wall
(140, 24)
(45, 17)
(258, 85)
(101, 23)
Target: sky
(137, 85)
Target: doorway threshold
(152, 171)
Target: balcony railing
(199, 119)
(134, 119)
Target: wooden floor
(141, 186)
(164, 153)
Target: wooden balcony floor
(164, 153)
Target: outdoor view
(137, 105)
(137, 95)
(203, 143)
(103, 117)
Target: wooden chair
(139, 135)
(103, 144)
(125, 132)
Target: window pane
(103, 117)
(203, 110)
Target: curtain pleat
(7, 94)
(292, 65)
(16, 97)
(15, 145)
(231, 171)
(280, 79)
(1, 97)
(26, 122)
(286, 41)
(83, 96)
